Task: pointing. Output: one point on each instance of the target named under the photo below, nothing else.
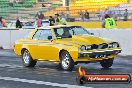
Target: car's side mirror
(92, 33)
(49, 37)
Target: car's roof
(56, 26)
(45, 20)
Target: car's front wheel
(27, 59)
(66, 61)
(107, 63)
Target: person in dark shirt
(52, 20)
(125, 15)
(40, 15)
(57, 19)
(11, 3)
(86, 14)
(1, 22)
(43, 5)
(18, 23)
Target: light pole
(67, 8)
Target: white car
(25, 24)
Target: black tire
(27, 59)
(107, 63)
(66, 61)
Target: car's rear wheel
(27, 59)
(66, 61)
(107, 63)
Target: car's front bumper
(99, 54)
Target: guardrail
(9, 28)
(8, 37)
(123, 36)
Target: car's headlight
(113, 45)
(83, 47)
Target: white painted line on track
(12, 66)
(17, 66)
(41, 82)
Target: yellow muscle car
(68, 45)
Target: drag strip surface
(47, 75)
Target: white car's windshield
(67, 32)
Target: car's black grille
(103, 46)
(94, 46)
(100, 46)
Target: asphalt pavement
(47, 75)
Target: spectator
(52, 20)
(63, 15)
(109, 22)
(125, 15)
(2, 23)
(86, 14)
(106, 12)
(110, 12)
(11, 3)
(62, 20)
(101, 15)
(40, 15)
(39, 22)
(81, 15)
(43, 5)
(18, 23)
(57, 19)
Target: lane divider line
(41, 82)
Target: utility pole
(66, 4)
(67, 8)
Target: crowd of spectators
(85, 16)
(61, 18)
(58, 19)
(113, 14)
(105, 15)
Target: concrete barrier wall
(8, 37)
(123, 36)
(97, 24)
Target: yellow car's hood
(82, 40)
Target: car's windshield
(67, 32)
